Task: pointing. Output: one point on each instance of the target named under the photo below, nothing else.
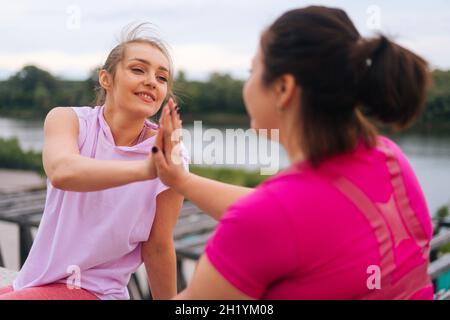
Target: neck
(125, 130)
(294, 151)
(290, 136)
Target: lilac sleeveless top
(93, 239)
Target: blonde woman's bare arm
(68, 170)
(158, 252)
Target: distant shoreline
(243, 121)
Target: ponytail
(345, 80)
(392, 81)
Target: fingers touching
(170, 129)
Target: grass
(13, 157)
(233, 176)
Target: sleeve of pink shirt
(253, 244)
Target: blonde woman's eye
(137, 70)
(163, 79)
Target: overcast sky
(69, 38)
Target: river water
(429, 154)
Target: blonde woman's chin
(146, 110)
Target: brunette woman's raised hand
(167, 152)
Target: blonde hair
(140, 33)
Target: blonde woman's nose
(150, 81)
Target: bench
(191, 232)
(440, 263)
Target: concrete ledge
(19, 181)
(7, 277)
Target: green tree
(33, 91)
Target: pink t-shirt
(93, 239)
(356, 227)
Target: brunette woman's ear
(286, 88)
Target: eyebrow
(148, 63)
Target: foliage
(13, 157)
(442, 212)
(232, 176)
(33, 92)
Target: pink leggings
(55, 291)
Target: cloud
(205, 35)
(197, 60)
(206, 58)
(433, 48)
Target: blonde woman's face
(260, 100)
(140, 84)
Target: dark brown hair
(140, 33)
(344, 79)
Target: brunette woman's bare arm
(210, 196)
(208, 284)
